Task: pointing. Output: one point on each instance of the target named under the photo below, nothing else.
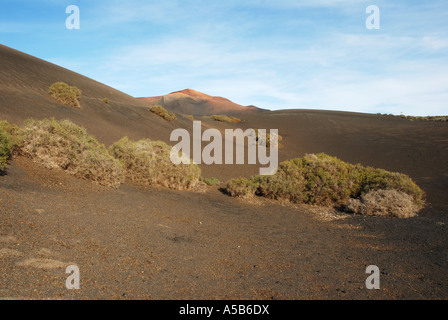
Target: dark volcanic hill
(415, 148)
(155, 243)
(192, 102)
(24, 84)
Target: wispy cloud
(343, 72)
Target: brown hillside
(24, 83)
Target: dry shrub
(413, 118)
(224, 118)
(368, 179)
(163, 113)
(63, 144)
(313, 179)
(241, 187)
(5, 149)
(323, 180)
(8, 141)
(148, 162)
(212, 181)
(65, 94)
(384, 203)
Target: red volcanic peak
(193, 93)
(189, 101)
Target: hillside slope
(417, 148)
(24, 83)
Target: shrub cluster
(8, 142)
(148, 162)
(210, 181)
(412, 118)
(428, 118)
(384, 203)
(313, 179)
(65, 94)
(242, 187)
(323, 180)
(224, 118)
(163, 113)
(62, 144)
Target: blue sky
(276, 54)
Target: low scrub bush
(63, 144)
(241, 187)
(210, 181)
(65, 94)
(428, 118)
(421, 118)
(323, 180)
(384, 203)
(163, 113)
(368, 179)
(224, 118)
(8, 142)
(148, 162)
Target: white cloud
(388, 71)
(435, 43)
(271, 79)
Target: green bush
(65, 94)
(241, 187)
(369, 179)
(63, 144)
(224, 118)
(428, 118)
(210, 181)
(163, 113)
(413, 118)
(323, 180)
(106, 101)
(314, 179)
(8, 141)
(148, 162)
